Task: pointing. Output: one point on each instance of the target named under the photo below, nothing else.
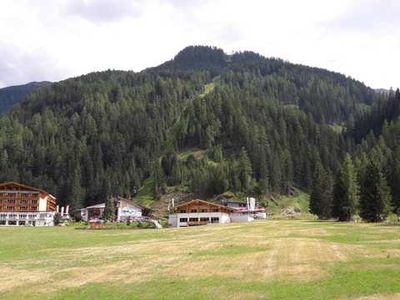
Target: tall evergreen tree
(321, 193)
(109, 210)
(245, 170)
(374, 194)
(345, 191)
(394, 181)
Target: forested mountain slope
(12, 95)
(257, 125)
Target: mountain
(204, 122)
(12, 95)
(327, 95)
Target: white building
(124, 210)
(199, 212)
(246, 211)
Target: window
(193, 211)
(12, 222)
(22, 223)
(2, 222)
(215, 210)
(203, 219)
(214, 220)
(183, 220)
(182, 211)
(204, 210)
(193, 219)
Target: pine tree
(75, 191)
(109, 210)
(374, 195)
(345, 191)
(321, 193)
(245, 170)
(394, 181)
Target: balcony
(197, 223)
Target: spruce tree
(321, 193)
(109, 210)
(345, 191)
(245, 170)
(374, 194)
(394, 181)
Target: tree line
(364, 192)
(239, 123)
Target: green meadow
(262, 260)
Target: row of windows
(20, 216)
(13, 222)
(20, 201)
(19, 193)
(212, 220)
(183, 211)
(8, 207)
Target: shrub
(57, 219)
(392, 219)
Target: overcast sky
(56, 39)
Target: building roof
(27, 187)
(118, 198)
(198, 201)
(246, 210)
(100, 205)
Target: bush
(145, 225)
(57, 219)
(163, 222)
(356, 219)
(392, 219)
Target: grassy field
(260, 260)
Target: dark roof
(26, 187)
(204, 202)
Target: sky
(57, 39)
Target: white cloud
(103, 10)
(55, 39)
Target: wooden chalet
(199, 212)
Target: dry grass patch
(260, 252)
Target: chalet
(21, 205)
(124, 210)
(199, 212)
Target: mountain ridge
(11, 95)
(259, 124)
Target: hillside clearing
(267, 260)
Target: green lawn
(261, 260)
